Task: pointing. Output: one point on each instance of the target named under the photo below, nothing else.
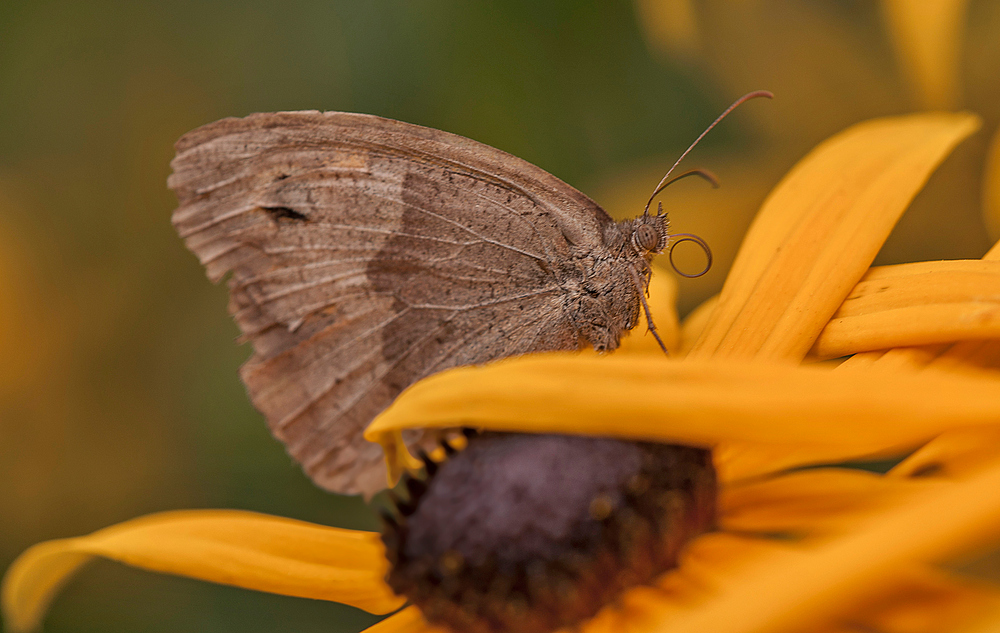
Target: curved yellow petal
(699, 403)
(704, 563)
(915, 304)
(818, 232)
(922, 600)
(913, 325)
(712, 557)
(952, 454)
(914, 598)
(34, 580)
(900, 359)
(696, 322)
(969, 355)
(991, 188)
(244, 549)
(662, 300)
(737, 461)
(397, 457)
(811, 585)
(987, 624)
(811, 502)
(960, 356)
(928, 599)
(972, 354)
(928, 35)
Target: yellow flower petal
(911, 599)
(397, 457)
(738, 461)
(927, 599)
(915, 304)
(958, 451)
(956, 357)
(809, 586)
(811, 502)
(928, 35)
(969, 355)
(959, 357)
(820, 229)
(711, 558)
(991, 187)
(901, 359)
(662, 300)
(698, 403)
(696, 322)
(703, 564)
(952, 454)
(923, 600)
(229, 547)
(990, 624)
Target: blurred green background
(118, 387)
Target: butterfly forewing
(366, 254)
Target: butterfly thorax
(606, 303)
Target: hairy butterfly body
(365, 254)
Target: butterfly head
(650, 233)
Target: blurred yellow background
(118, 387)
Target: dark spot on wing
(279, 213)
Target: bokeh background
(118, 387)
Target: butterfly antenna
(690, 237)
(736, 104)
(704, 174)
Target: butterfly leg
(645, 307)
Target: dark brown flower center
(530, 533)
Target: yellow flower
(822, 548)
(926, 37)
(830, 64)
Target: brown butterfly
(368, 253)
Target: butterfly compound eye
(647, 238)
